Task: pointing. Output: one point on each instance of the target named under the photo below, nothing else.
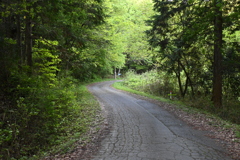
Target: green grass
(178, 104)
(121, 86)
(238, 134)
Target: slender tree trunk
(178, 74)
(28, 37)
(180, 84)
(28, 41)
(217, 64)
(188, 80)
(19, 38)
(186, 87)
(19, 41)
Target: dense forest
(196, 52)
(199, 40)
(47, 47)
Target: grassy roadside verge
(76, 125)
(121, 86)
(224, 125)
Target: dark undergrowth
(39, 118)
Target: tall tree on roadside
(203, 24)
(40, 40)
(217, 63)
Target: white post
(115, 72)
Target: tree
(168, 33)
(42, 41)
(217, 69)
(125, 31)
(179, 31)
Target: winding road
(141, 130)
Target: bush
(150, 82)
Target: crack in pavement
(144, 131)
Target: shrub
(151, 82)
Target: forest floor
(217, 129)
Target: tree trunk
(188, 80)
(19, 41)
(178, 74)
(28, 41)
(19, 38)
(217, 64)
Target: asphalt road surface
(144, 131)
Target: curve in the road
(144, 131)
